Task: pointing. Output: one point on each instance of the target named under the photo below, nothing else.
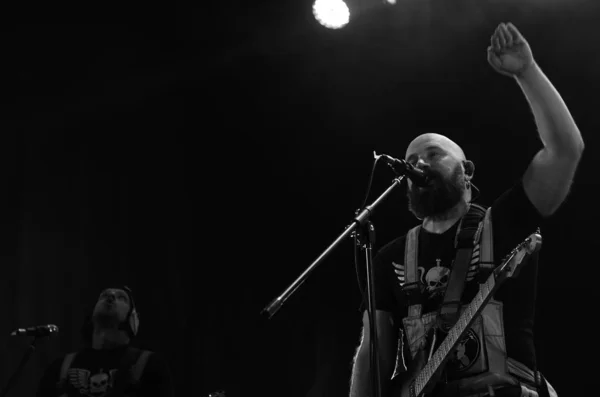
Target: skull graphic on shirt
(436, 279)
(97, 385)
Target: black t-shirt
(514, 218)
(92, 373)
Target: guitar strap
(467, 236)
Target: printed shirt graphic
(93, 372)
(92, 385)
(436, 260)
(514, 218)
(435, 279)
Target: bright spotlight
(332, 14)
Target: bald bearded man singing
(496, 356)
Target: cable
(473, 198)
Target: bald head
(449, 172)
(421, 143)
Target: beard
(439, 197)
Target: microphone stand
(13, 379)
(365, 240)
(360, 221)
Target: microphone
(418, 176)
(37, 331)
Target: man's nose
(421, 164)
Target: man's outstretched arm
(548, 178)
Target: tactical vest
(489, 362)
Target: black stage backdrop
(206, 154)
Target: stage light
(333, 14)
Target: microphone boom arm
(360, 220)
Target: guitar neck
(465, 320)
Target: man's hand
(509, 53)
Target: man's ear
(469, 168)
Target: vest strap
(412, 283)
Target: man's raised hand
(509, 53)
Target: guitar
(425, 374)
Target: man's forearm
(556, 126)
(360, 381)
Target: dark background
(206, 153)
